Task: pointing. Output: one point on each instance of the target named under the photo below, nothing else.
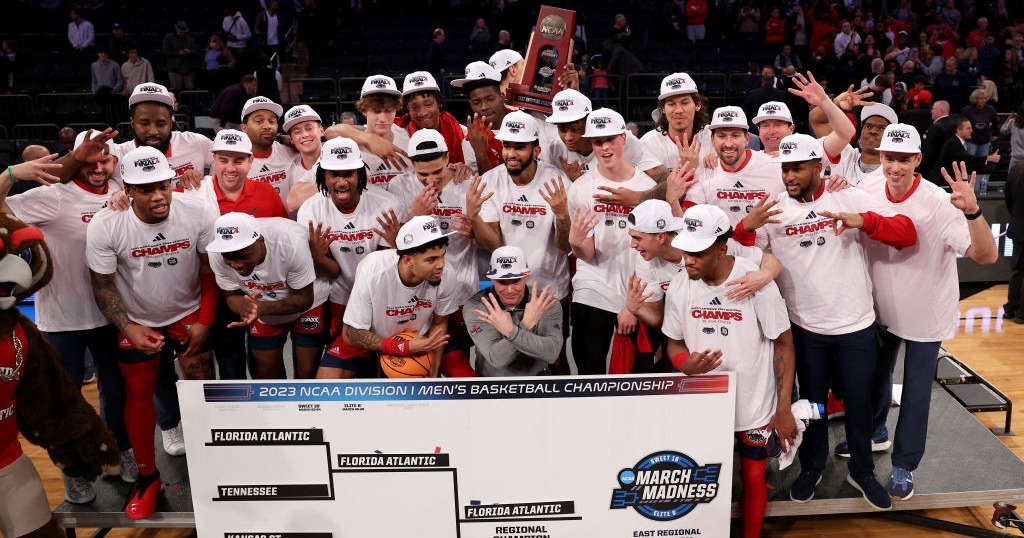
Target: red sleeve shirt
(258, 199)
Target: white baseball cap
(144, 165)
(655, 216)
(341, 153)
(420, 143)
(728, 116)
(604, 122)
(702, 225)
(677, 84)
(504, 58)
(233, 232)
(508, 262)
(232, 140)
(773, 110)
(478, 71)
(799, 147)
(298, 114)
(419, 81)
(151, 91)
(261, 103)
(568, 106)
(81, 138)
(878, 109)
(379, 84)
(518, 126)
(419, 231)
(900, 138)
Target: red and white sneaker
(142, 503)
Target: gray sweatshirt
(524, 352)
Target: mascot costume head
(37, 397)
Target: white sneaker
(78, 490)
(129, 469)
(174, 441)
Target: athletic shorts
(308, 330)
(752, 443)
(174, 334)
(24, 507)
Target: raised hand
(762, 213)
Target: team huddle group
(680, 251)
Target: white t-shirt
(601, 283)
(460, 257)
(63, 212)
(847, 165)
(704, 318)
(288, 266)
(634, 152)
(155, 266)
(527, 221)
(276, 169)
(738, 192)
(352, 235)
(665, 150)
(916, 288)
(383, 304)
(824, 277)
(186, 151)
(379, 173)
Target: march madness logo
(666, 485)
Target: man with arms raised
(151, 279)
(266, 271)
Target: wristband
(974, 216)
(390, 346)
(10, 173)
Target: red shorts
(174, 335)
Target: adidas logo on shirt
(414, 299)
(350, 226)
(265, 169)
(159, 237)
(738, 185)
(522, 199)
(255, 277)
(812, 215)
(382, 168)
(715, 302)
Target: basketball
(395, 366)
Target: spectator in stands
(621, 62)
(908, 73)
(435, 54)
(951, 85)
(226, 111)
(349, 118)
(989, 55)
(846, 40)
(696, 12)
(983, 122)
(236, 31)
(214, 50)
(798, 30)
(8, 65)
(106, 75)
(749, 18)
(868, 49)
(901, 51)
(969, 66)
(774, 30)
(900, 100)
(119, 44)
(787, 58)
(600, 84)
(943, 128)
(950, 15)
(66, 137)
(621, 33)
(504, 41)
(136, 70)
(1014, 126)
(767, 92)
(991, 92)
(479, 48)
(81, 33)
(269, 30)
(224, 76)
(1007, 73)
(955, 150)
(919, 96)
(928, 62)
(180, 56)
(976, 37)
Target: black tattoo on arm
(656, 193)
(361, 338)
(108, 299)
(562, 225)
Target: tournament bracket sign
(560, 457)
(549, 51)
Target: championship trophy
(549, 50)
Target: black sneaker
(873, 492)
(802, 489)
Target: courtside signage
(559, 457)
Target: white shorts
(24, 507)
